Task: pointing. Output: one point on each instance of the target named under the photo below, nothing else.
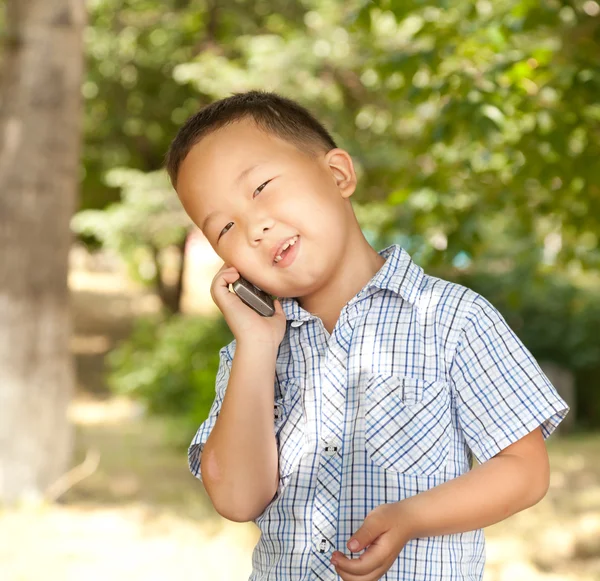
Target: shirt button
(323, 545)
(331, 448)
(277, 412)
(297, 323)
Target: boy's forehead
(223, 159)
(241, 138)
(218, 159)
(234, 148)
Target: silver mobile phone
(254, 297)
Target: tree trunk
(170, 295)
(40, 122)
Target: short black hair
(271, 113)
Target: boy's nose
(259, 229)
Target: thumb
(364, 536)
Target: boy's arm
(505, 407)
(239, 460)
(514, 479)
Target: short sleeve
(197, 445)
(500, 392)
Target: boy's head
(256, 169)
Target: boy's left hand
(385, 533)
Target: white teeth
(289, 243)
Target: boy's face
(250, 191)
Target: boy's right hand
(245, 323)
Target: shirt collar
(398, 274)
(293, 311)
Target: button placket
(328, 485)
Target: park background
(475, 131)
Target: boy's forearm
(239, 461)
(491, 492)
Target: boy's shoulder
(438, 300)
(449, 301)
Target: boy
(348, 420)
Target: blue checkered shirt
(418, 375)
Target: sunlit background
(475, 131)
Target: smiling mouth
(287, 256)
(285, 249)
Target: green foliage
(171, 366)
(556, 320)
(490, 109)
(131, 49)
(147, 220)
(134, 103)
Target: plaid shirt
(418, 375)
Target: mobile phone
(254, 297)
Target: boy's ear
(342, 169)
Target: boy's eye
(260, 189)
(256, 192)
(225, 230)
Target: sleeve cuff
(194, 456)
(548, 418)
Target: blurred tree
(493, 111)
(134, 105)
(147, 221)
(170, 365)
(40, 112)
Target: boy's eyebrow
(246, 172)
(243, 174)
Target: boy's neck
(358, 266)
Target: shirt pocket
(290, 427)
(407, 424)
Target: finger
(229, 276)
(370, 560)
(371, 528)
(374, 575)
(223, 279)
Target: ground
(132, 511)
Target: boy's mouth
(287, 253)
